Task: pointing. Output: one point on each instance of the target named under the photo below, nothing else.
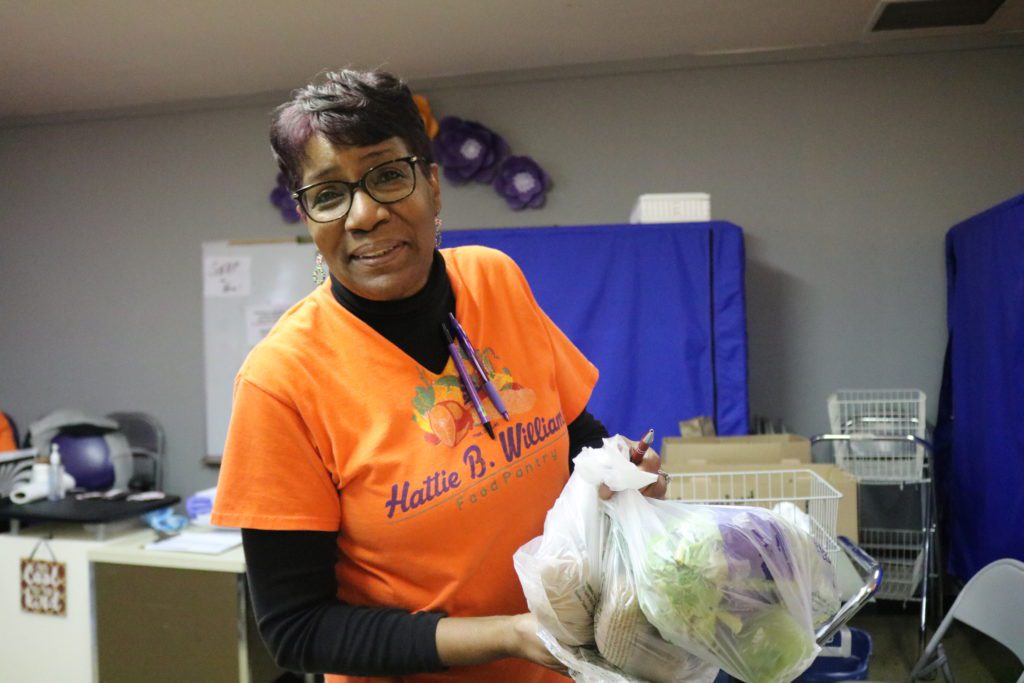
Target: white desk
(41, 647)
(130, 550)
(174, 616)
(132, 614)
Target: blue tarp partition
(659, 309)
(980, 431)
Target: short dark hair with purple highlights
(348, 108)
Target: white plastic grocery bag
(626, 639)
(560, 571)
(570, 578)
(737, 586)
(635, 589)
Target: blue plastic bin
(828, 669)
(852, 668)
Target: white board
(246, 287)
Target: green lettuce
(711, 587)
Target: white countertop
(131, 550)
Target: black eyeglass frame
(299, 194)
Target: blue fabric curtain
(659, 309)
(980, 431)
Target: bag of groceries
(634, 589)
(582, 594)
(626, 639)
(737, 586)
(561, 570)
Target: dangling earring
(437, 232)
(319, 272)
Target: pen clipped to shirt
(484, 377)
(467, 381)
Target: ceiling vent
(914, 14)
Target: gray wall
(845, 175)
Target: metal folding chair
(992, 602)
(146, 439)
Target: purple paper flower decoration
(468, 151)
(281, 197)
(522, 183)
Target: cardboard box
(841, 481)
(758, 449)
(702, 425)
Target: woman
(378, 517)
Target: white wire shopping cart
(880, 437)
(880, 413)
(810, 494)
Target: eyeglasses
(385, 183)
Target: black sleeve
(584, 431)
(293, 588)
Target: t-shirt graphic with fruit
(443, 410)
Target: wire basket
(805, 489)
(901, 554)
(879, 412)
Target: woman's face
(378, 251)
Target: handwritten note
(227, 276)
(259, 320)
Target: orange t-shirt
(336, 429)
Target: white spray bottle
(56, 487)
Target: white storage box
(680, 207)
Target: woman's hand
(651, 463)
(463, 641)
(529, 645)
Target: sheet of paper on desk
(205, 542)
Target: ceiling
(73, 58)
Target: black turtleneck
(412, 324)
(291, 573)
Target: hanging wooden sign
(44, 584)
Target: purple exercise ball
(87, 459)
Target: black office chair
(146, 439)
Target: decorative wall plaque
(44, 584)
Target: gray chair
(991, 602)
(146, 439)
